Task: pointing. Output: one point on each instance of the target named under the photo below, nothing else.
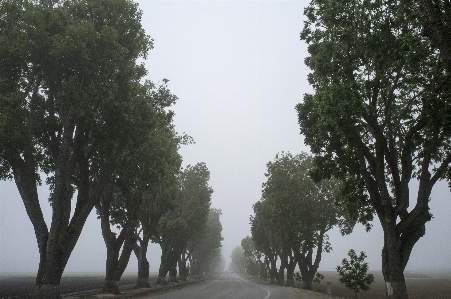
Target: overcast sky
(237, 68)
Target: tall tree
(205, 249)
(379, 117)
(186, 220)
(256, 267)
(264, 236)
(238, 260)
(67, 77)
(141, 167)
(302, 214)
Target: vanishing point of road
(233, 286)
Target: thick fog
(237, 68)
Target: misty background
(237, 68)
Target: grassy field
(419, 286)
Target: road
(233, 286)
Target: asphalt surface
(231, 286)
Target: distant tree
(205, 250)
(186, 221)
(379, 118)
(265, 238)
(220, 263)
(159, 199)
(238, 259)
(141, 168)
(301, 213)
(68, 80)
(255, 265)
(353, 273)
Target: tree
(205, 250)
(301, 213)
(256, 267)
(141, 167)
(238, 262)
(186, 220)
(436, 18)
(353, 273)
(264, 237)
(378, 119)
(67, 80)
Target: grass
(419, 286)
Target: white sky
(237, 68)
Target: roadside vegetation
(78, 115)
(77, 110)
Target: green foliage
(379, 116)
(318, 278)
(205, 250)
(376, 105)
(353, 273)
(239, 260)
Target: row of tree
(379, 118)
(77, 112)
(290, 222)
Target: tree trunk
(55, 246)
(162, 271)
(143, 265)
(290, 273)
(182, 267)
(395, 285)
(173, 274)
(117, 259)
(273, 271)
(281, 274)
(306, 273)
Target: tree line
(290, 223)
(77, 114)
(378, 119)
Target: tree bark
(143, 264)
(281, 272)
(55, 246)
(117, 259)
(273, 271)
(290, 272)
(182, 267)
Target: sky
(238, 70)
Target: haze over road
(233, 286)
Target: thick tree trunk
(182, 267)
(290, 273)
(163, 270)
(115, 264)
(55, 246)
(173, 274)
(117, 259)
(273, 271)
(281, 274)
(393, 271)
(143, 265)
(306, 273)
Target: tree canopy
(294, 215)
(378, 118)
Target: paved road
(232, 286)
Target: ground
(419, 285)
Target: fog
(237, 68)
